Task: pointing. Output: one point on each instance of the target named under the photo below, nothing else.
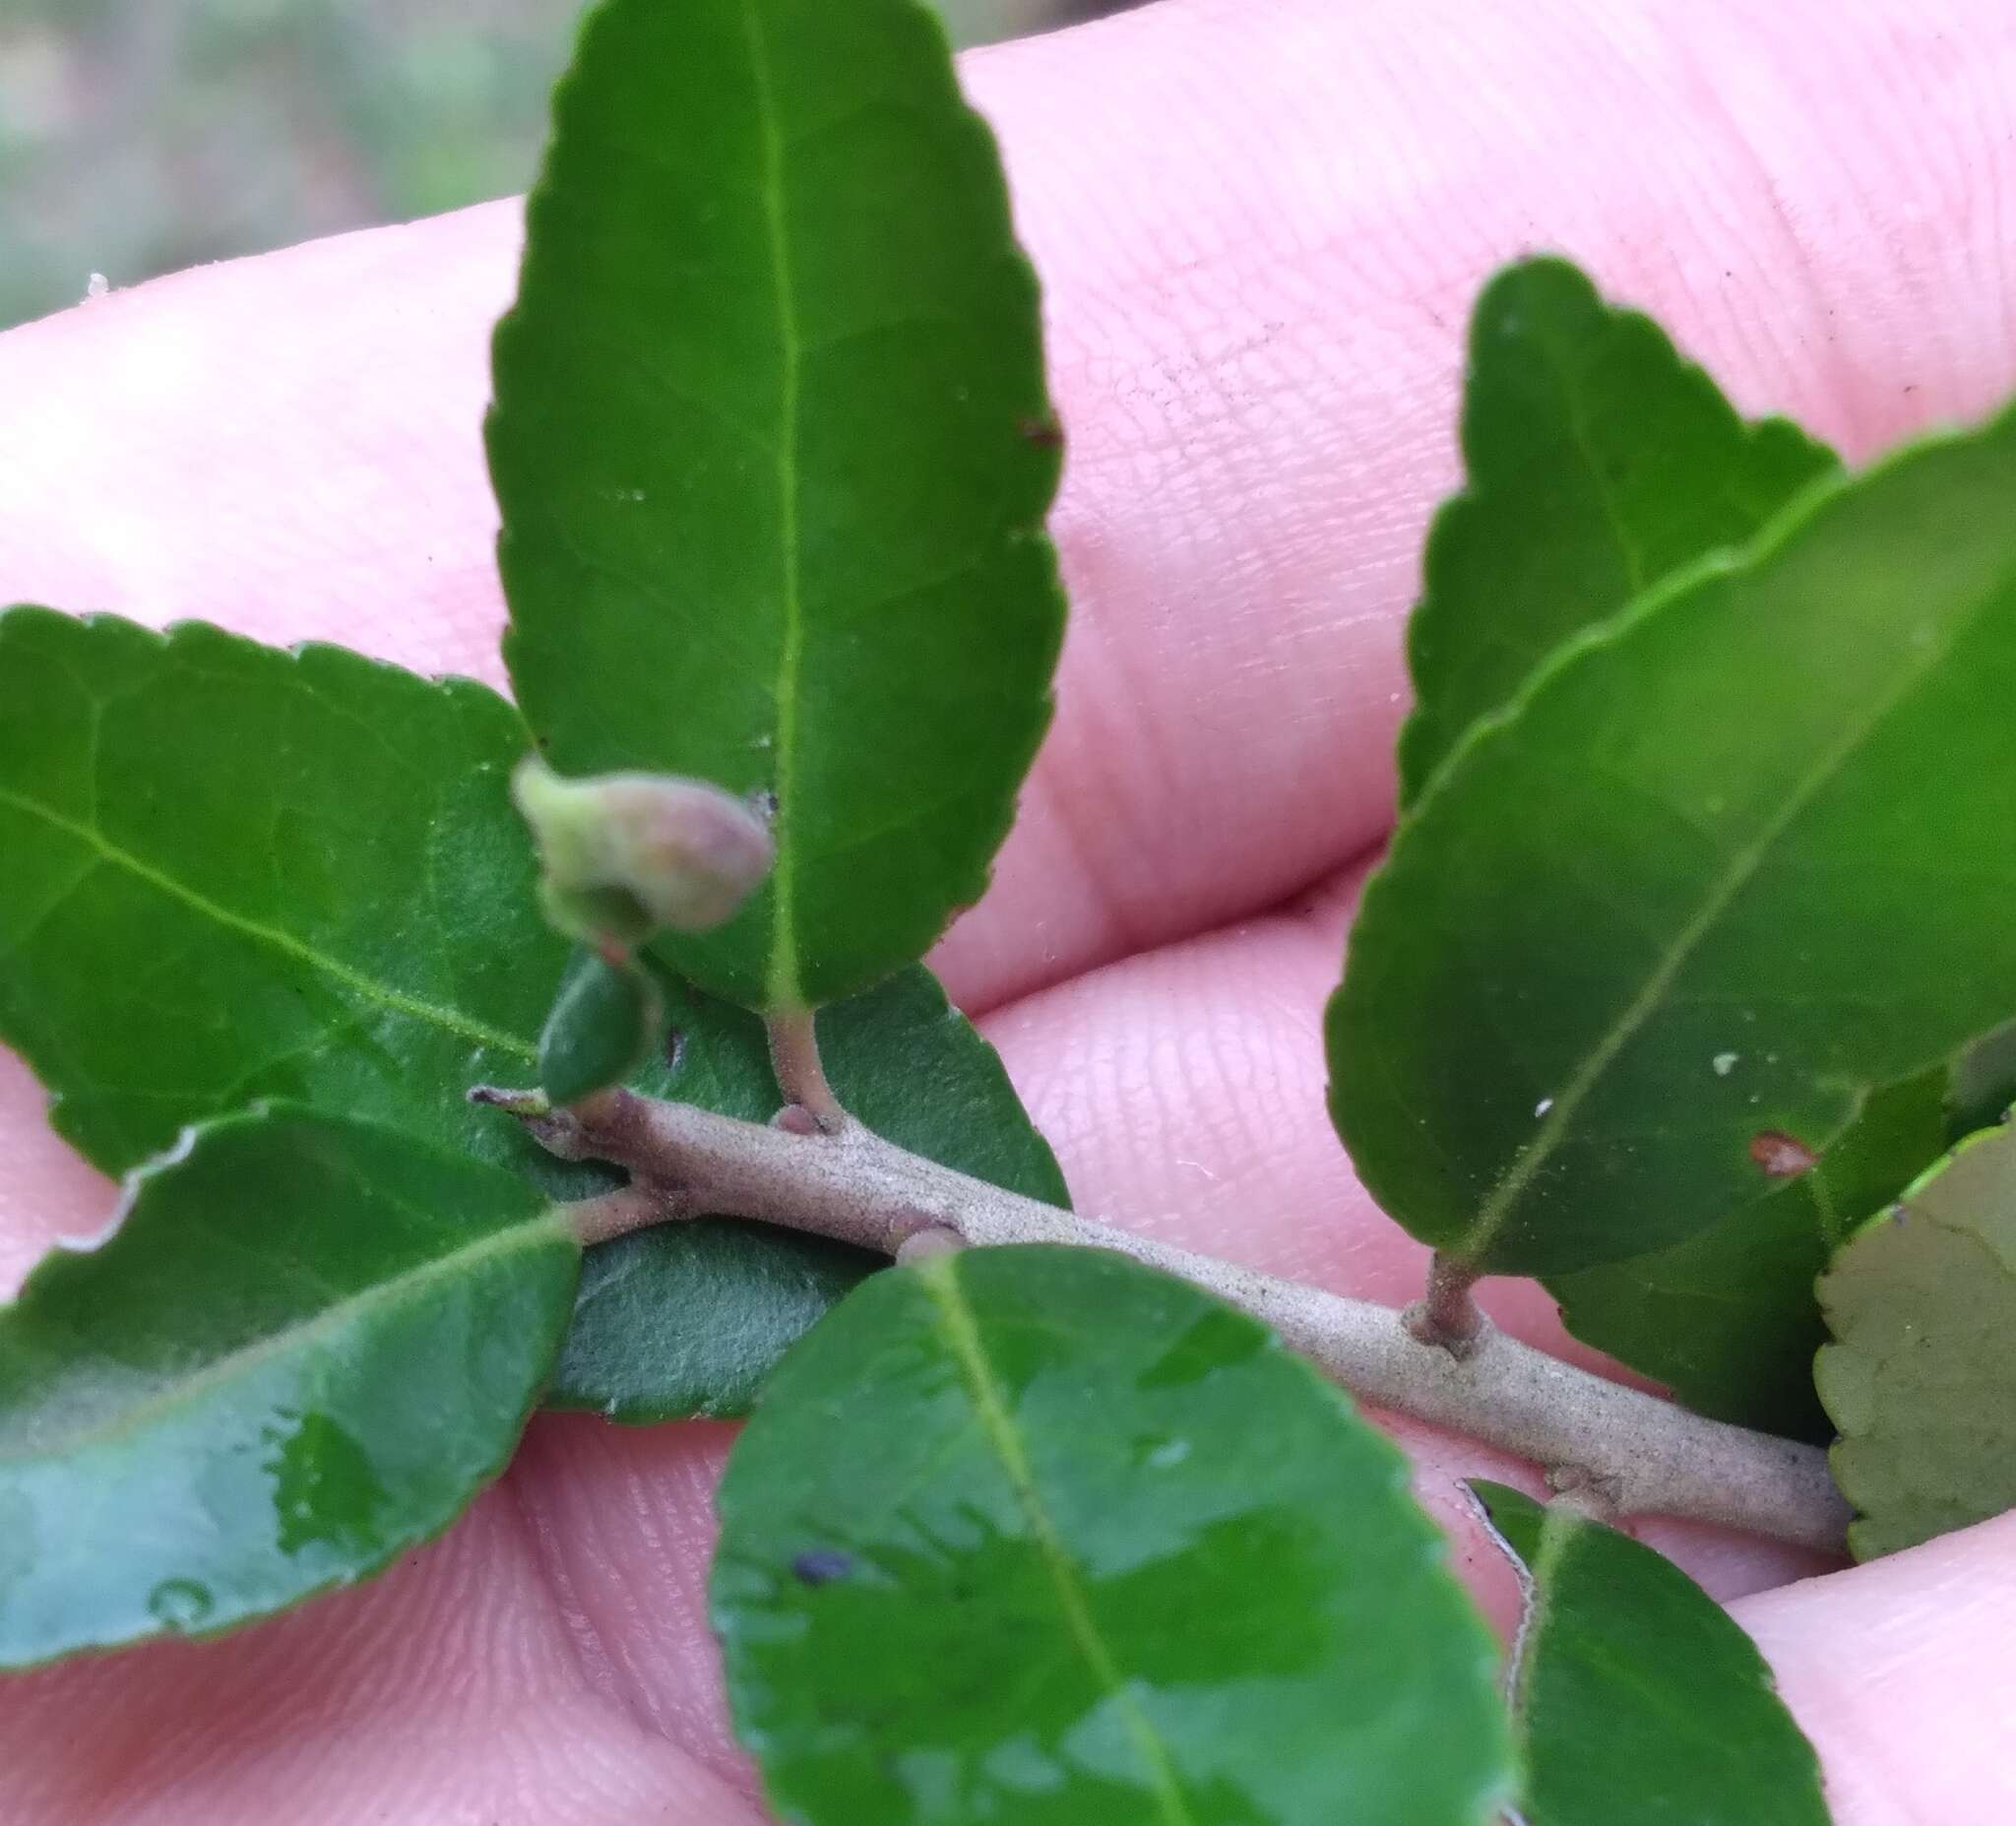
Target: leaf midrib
(1559, 1530)
(782, 986)
(550, 1226)
(1559, 360)
(959, 1333)
(1505, 1196)
(449, 1020)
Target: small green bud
(627, 854)
(607, 1020)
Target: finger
(629, 1522)
(1256, 307)
(1901, 1674)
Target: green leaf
(235, 873)
(1733, 860)
(606, 1024)
(688, 1319)
(1921, 1379)
(1729, 1320)
(1638, 1700)
(306, 1347)
(1599, 463)
(773, 450)
(1006, 1542)
(348, 920)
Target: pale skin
(1259, 226)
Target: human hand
(1260, 226)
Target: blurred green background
(140, 136)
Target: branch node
(1446, 1317)
(796, 1119)
(1588, 1492)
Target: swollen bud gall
(625, 854)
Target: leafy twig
(1643, 1455)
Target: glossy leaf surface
(1729, 1320)
(774, 452)
(1008, 1540)
(1734, 859)
(656, 1338)
(1599, 462)
(308, 1346)
(1920, 1378)
(233, 873)
(605, 1025)
(1638, 1699)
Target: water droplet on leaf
(324, 1489)
(180, 1604)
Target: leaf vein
(384, 994)
(782, 973)
(956, 1326)
(531, 1232)
(1742, 868)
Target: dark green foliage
(1599, 464)
(1639, 955)
(1639, 1701)
(310, 1343)
(773, 451)
(1041, 1535)
(1729, 1321)
(352, 925)
(233, 873)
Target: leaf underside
(351, 924)
(1729, 1319)
(1638, 1700)
(309, 1343)
(773, 448)
(1004, 1542)
(1599, 463)
(1731, 862)
(1919, 1378)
